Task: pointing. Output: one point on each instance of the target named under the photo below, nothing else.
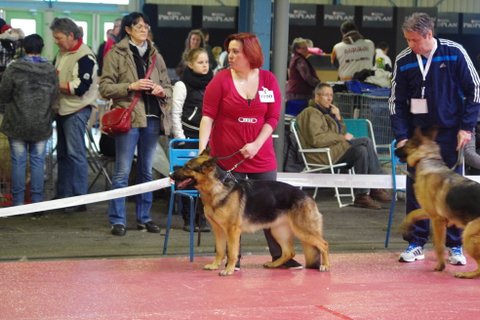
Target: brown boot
(380, 195)
(363, 200)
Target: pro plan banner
(334, 16)
(174, 16)
(303, 14)
(377, 17)
(471, 23)
(447, 23)
(219, 17)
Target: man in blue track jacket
(434, 84)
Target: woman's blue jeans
(19, 151)
(144, 140)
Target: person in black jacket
(187, 109)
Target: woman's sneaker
(413, 253)
(456, 257)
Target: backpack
(292, 160)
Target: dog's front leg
(220, 245)
(439, 228)
(233, 247)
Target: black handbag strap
(138, 94)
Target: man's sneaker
(456, 257)
(412, 253)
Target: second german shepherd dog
(247, 206)
(445, 197)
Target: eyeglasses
(139, 27)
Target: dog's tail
(411, 218)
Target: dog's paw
(226, 272)
(324, 268)
(210, 266)
(467, 275)
(269, 265)
(440, 266)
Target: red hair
(251, 47)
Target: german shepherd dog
(247, 206)
(445, 197)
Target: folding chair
(395, 161)
(98, 162)
(311, 167)
(178, 156)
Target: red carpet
(359, 286)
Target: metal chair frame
(311, 167)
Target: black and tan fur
(247, 206)
(445, 197)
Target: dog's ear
(431, 133)
(209, 164)
(205, 152)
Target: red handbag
(119, 120)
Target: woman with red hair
(241, 109)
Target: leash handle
(459, 158)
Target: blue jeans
(145, 141)
(36, 150)
(72, 177)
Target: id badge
(418, 106)
(266, 96)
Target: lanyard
(423, 70)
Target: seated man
(321, 126)
(472, 153)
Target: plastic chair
(178, 156)
(364, 128)
(361, 128)
(311, 167)
(395, 161)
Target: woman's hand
(157, 90)
(147, 85)
(249, 150)
(141, 85)
(348, 136)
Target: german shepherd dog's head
(195, 171)
(420, 146)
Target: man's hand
(401, 143)
(463, 137)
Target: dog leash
(459, 159)
(229, 172)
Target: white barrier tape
(367, 181)
(324, 180)
(84, 199)
(321, 180)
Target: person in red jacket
(241, 109)
(302, 77)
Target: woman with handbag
(134, 73)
